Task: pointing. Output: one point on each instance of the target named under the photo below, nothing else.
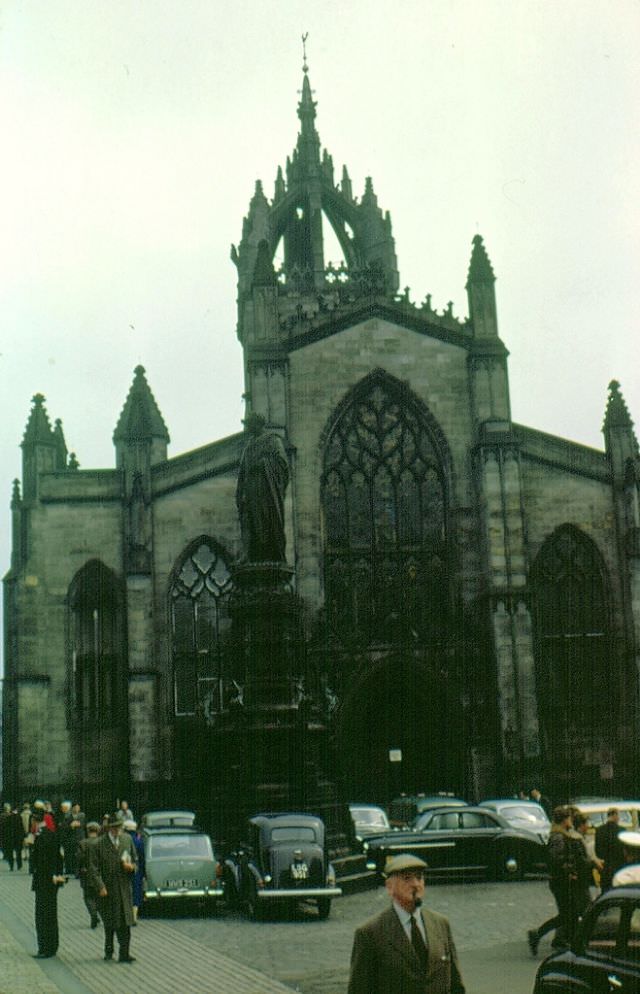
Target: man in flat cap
(405, 949)
(112, 863)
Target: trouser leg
(46, 916)
(124, 941)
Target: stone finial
(369, 198)
(480, 268)
(15, 493)
(73, 461)
(140, 417)
(616, 414)
(38, 429)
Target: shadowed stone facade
(469, 588)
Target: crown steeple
(306, 200)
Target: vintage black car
(404, 810)
(465, 842)
(283, 859)
(606, 953)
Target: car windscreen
(293, 833)
(369, 816)
(179, 847)
(524, 813)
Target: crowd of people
(106, 858)
(577, 869)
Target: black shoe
(108, 956)
(94, 923)
(127, 959)
(533, 940)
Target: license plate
(299, 871)
(177, 884)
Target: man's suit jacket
(383, 960)
(46, 862)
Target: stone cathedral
(467, 588)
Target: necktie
(418, 944)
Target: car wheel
(324, 908)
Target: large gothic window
(384, 504)
(575, 683)
(199, 602)
(97, 651)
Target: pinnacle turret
(140, 418)
(480, 268)
(38, 430)
(616, 414)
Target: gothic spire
(61, 445)
(616, 414)
(480, 268)
(140, 418)
(38, 429)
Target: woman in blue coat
(137, 881)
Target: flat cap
(630, 839)
(92, 826)
(405, 861)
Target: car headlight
(365, 846)
(268, 878)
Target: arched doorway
(399, 729)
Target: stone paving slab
(19, 974)
(166, 961)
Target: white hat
(631, 839)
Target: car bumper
(210, 893)
(299, 893)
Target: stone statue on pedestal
(262, 482)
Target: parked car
(283, 859)
(404, 810)
(521, 814)
(181, 863)
(597, 811)
(168, 819)
(369, 819)
(463, 841)
(605, 955)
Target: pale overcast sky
(133, 133)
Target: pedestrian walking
(561, 852)
(46, 880)
(137, 882)
(609, 848)
(12, 838)
(83, 860)
(112, 863)
(405, 949)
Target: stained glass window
(96, 646)
(199, 600)
(571, 621)
(384, 505)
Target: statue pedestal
(275, 743)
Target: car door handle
(615, 984)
